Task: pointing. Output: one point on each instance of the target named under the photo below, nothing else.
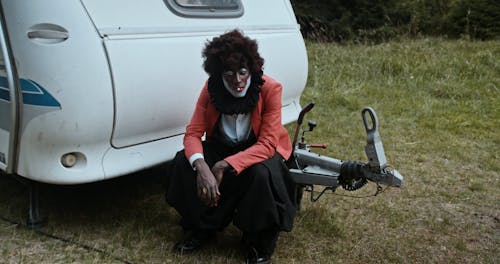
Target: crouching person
(237, 174)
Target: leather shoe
(255, 257)
(193, 242)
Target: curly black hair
(231, 50)
(228, 52)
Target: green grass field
(438, 104)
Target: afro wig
(231, 50)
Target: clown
(238, 173)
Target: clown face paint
(237, 82)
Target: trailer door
(9, 103)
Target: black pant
(258, 200)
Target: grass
(438, 104)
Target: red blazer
(265, 118)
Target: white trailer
(95, 89)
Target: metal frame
(308, 168)
(15, 95)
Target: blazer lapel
(212, 116)
(256, 118)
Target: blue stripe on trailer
(33, 93)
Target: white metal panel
(285, 60)
(157, 80)
(124, 160)
(155, 57)
(73, 72)
(118, 17)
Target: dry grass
(438, 107)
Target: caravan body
(93, 89)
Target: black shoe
(255, 257)
(194, 241)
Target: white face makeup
(237, 83)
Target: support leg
(35, 219)
(299, 192)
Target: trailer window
(206, 8)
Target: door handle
(47, 33)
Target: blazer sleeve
(269, 131)
(197, 125)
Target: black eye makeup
(241, 72)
